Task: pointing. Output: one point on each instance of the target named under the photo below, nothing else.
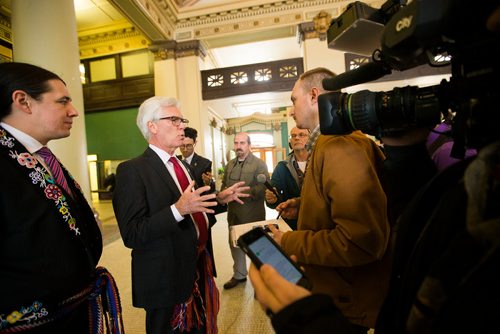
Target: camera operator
(446, 268)
(342, 229)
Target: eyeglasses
(300, 135)
(187, 146)
(175, 120)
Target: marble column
(45, 34)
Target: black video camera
(413, 35)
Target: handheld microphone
(261, 178)
(365, 73)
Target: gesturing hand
(193, 201)
(233, 193)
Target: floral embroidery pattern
(53, 192)
(41, 176)
(25, 315)
(26, 159)
(4, 140)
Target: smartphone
(261, 248)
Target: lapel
(231, 165)
(190, 171)
(154, 161)
(194, 161)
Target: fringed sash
(199, 310)
(104, 308)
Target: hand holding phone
(268, 230)
(261, 248)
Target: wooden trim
(219, 83)
(117, 94)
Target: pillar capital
(306, 31)
(317, 28)
(170, 49)
(163, 50)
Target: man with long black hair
(50, 242)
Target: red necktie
(198, 217)
(55, 168)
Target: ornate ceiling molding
(279, 7)
(163, 15)
(184, 3)
(110, 42)
(265, 17)
(282, 19)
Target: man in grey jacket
(245, 167)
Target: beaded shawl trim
(40, 176)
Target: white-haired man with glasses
(166, 222)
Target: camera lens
(361, 110)
(379, 113)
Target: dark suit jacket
(163, 250)
(199, 166)
(41, 259)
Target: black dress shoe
(233, 282)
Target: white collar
(190, 158)
(31, 144)
(164, 156)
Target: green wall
(113, 135)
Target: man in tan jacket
(343, 231)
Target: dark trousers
(158, 321)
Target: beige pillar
(316, 52)
(44, 34)
(165, 71)
(190, 56)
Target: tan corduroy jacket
(343, 231)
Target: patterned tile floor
(239, 312)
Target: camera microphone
(364, 73)
(261, 178)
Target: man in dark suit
(50, 241)
(201, 167)
(167, 224)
